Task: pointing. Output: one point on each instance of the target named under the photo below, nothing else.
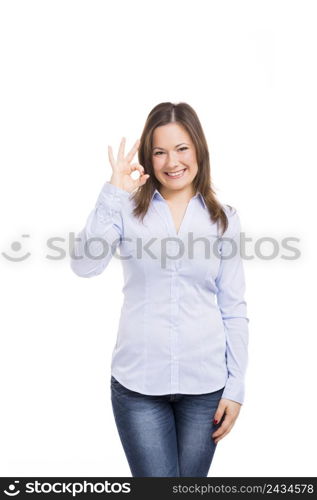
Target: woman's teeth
(176, 175)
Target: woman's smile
(176, 175)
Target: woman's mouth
(175, 175)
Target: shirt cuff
(115, 191)
(109, 202)
(234, 390)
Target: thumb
(219, 412)
(143, 178)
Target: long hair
(185, 115)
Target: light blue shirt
(183, 326)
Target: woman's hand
(122, 168)
(230, 409)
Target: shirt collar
(158, 195)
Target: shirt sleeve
(95, 244)
(230, 299)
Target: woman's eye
(161, 152)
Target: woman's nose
(172, 159)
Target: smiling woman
(178, 365)
(171, 162)
(173, 142)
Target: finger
(134, 149)
(223, 435)
(121, 149)
(220, 411)
(110, 156)
(137, 166)
(142, 180)
(223, 427)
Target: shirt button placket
(174, 308)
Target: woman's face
(173, 151)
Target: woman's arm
(97, 241)
(230, 298)
(95, 244)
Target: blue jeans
(168, 435)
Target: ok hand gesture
(122, 168)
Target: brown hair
(185, 115)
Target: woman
(178, 366)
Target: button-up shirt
(183, 327)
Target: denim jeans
(168, 435)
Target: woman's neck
(178, 196)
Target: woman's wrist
(117, 187)
(115, 182)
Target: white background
(79, 75)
